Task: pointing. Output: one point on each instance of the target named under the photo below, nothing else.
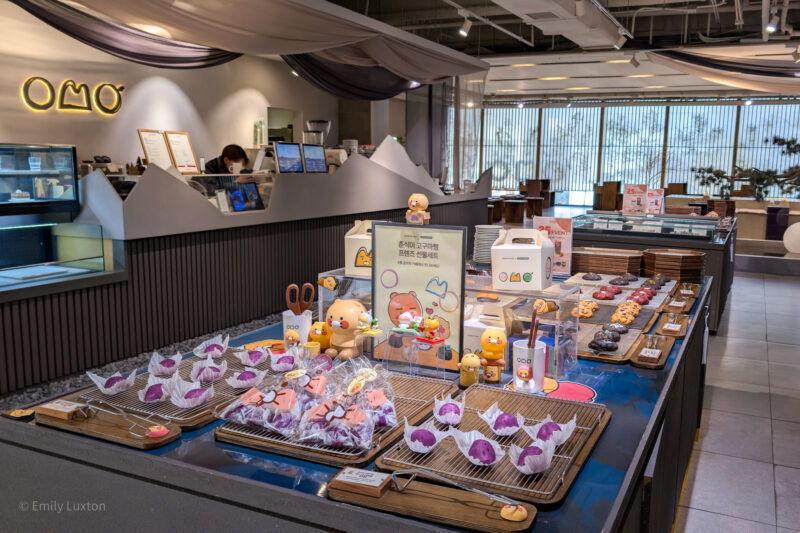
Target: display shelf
(684, 227)
(38, 179)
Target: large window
(699, 136)
(570, 138)
(633, 144)
(509, 145)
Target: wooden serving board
(440, 504)
(694, 287)
(622, 355)
(413, 400)
(665, 345)
(684, 309)
(112, 428)
(683, 320)
(546, 488)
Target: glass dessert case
(700, 228)
(38, 179)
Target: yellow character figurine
(417, 205)
(469, 369)
(320, 332)
(493, 342)
(343, 320)
(291, 338)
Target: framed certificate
(182, 151)
(155, 148)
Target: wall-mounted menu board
(155, 148)
(183, 156)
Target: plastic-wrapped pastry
(478, 450)
(163, 366)
(534, 458)
(591, 276)
(423, 438)
(214, 347)
(448, 411)
(114, 384)
(503, 424)
(548, 430)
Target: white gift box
(522, 260)
(358, 249)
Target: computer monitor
(288, 157)
(244, 197)
(314, 158)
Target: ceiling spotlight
(294, 73)
(772, 26)
(569, 104)
(520, 105)
(749, 101)
(464, 30)
(796, 55)
(620, 42)
(635, 62)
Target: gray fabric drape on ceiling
(287, 27)
(771, 76)
(122, 41)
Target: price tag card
(650, 353)
(672, 327)
(615, 226)
(681, 229)
(687, 292)
(676, 305)
(702, 232)
(600, 225)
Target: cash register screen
(314, 157)
(289, 158)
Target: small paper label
(615, 226)
(687, 292)
(650, 353)
(600, 225)
(672, 327)
(362, 477)
(63, 405)
(677, 305)
(702, 232)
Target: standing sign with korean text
(560, 232)
(420, 270)
(634, 200)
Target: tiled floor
(745, 469)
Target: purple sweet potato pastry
(283, 421)
(505, 420)
(167, 363)
(530, 450)
(449, 408)
(482, 451)
(254, 356)
(547, 430)
(285, 360)
(213, 347)
(194, 393)
(247, 374)
(323, 362)
(423, 436)
(154, 392)
(110, 382)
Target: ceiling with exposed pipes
(539, 48)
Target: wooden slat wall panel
(180, 286)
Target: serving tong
(143, 424)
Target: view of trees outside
(570, 139)
(699, 136)
(633, 144)
(509, 145)
(758, 123)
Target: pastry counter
(631, 480)
(677, 232)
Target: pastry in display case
(701, 228)
(38, 179)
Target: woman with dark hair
(231, 161)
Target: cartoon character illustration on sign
(514, 276)
(343, 321)
(403, 302)
(417, 205)
(363, 258)
(320, 332)
(493, 343)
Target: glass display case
(486, 307)
(38, 179)
(337, 285)
(701, 228)
(35, 253)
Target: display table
(719, 247)
(631, 481)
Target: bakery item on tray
(591, 276)
(623, 316)
(618, 281)
(602, 295)
(544, 306)
(605, 334)
(581, 312)
(603, 345)
(617, 327)
(630, 277)
(613, 289)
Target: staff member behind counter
(231, 161)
